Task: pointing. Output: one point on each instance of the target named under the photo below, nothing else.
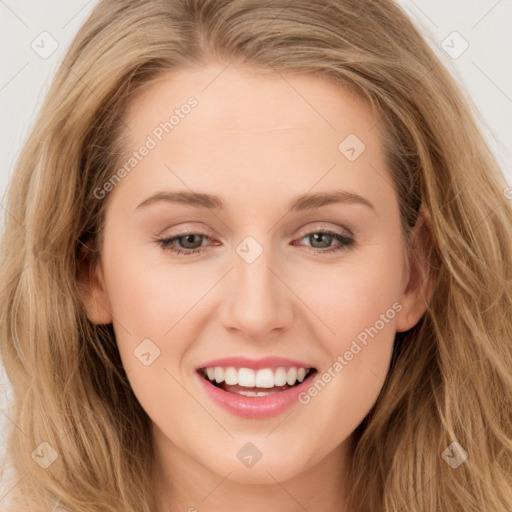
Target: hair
(451, 374)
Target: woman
(175, 338)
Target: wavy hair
(451, 375)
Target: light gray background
(25, 75)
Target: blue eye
(167, 243)
(344, 241)
(186, 240)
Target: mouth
(253, 383)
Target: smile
(254, 389)
(250, 382)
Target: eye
(325, 238)
(187, 241)
(191, 242)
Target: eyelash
(345, 242)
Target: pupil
(319, 235)
(187, 239)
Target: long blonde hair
(451, 375)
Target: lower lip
(255, 407)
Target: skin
(257, 143)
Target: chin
(273, 466)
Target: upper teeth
(263, 378)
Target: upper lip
(256, 364)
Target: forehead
(248, 131)
(233, 98)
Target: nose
(258, 303)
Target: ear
(419, 286)
(92, 288)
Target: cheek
(360, 313)
(360, 292)
(153, 313)
(359, 303)
(149, 299)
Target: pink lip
(258, 407)
(255, 364)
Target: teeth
(265, 378)
(246, 378)
(291, 376)
(280, 376)
(262, 378)
(256, 393)
(219, 374)
(231, 376)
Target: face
(268, 274)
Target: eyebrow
(300, 203)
